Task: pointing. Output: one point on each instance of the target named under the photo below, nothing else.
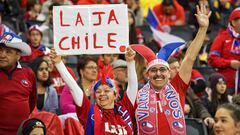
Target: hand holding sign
(130, 54)
(54, 57)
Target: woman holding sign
(106, 116)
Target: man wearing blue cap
(17, 84)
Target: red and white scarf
(97, 123)
(146, 115)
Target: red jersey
(107, 69)
(181, 88)
(36, 52)
(112, 123)
(221, 53)
(58, 82)
(17, 98)
(176, 14)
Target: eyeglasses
(92, 67)
(161, 69)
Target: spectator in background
(104, 64)
(24, 3)
(32, 126)
(48, 3)
(38, 49)
(120, 76)
(217, 93)
(12, 9)
(58, 82)
(50, 64)
(135, 34)
(227, 120)
(194, 107)
(170, 13)
(47, 98)
(47, 27)
(87, 70)
(134, 6)
(86, 2)
(33, 10)
(17, 84)
(224, 53)
(132, 28)
(198, 83)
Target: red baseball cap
(36, 28)
(235, 14)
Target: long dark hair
(216, 101)
(35, 65)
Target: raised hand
(235, 64)
(130, 54)
(209, 122)
(54, 57)
(202, 16)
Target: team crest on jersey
(147, 127)
(177, 126)
(25, 83)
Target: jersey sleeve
(214, 58)
(181, 87)
(82, 111)
(127, 103)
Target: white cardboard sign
(90, 29)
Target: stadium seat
(195, 127)
(73, 127)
